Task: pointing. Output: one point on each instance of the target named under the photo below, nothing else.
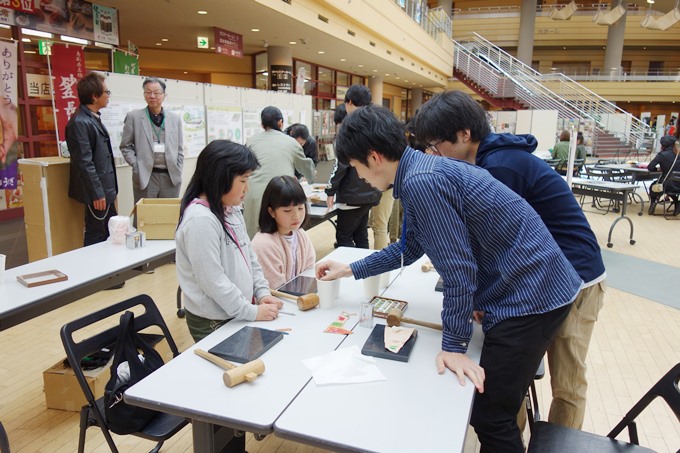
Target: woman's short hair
(216, 168)
(282, 191)
(90, 86)
(565, 136)
(270, 117)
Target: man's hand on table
(463, 366)
(332, 270)
(330, 201)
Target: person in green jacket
(561, 149)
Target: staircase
(506, 82)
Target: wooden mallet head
(395, 318)
(235, 374)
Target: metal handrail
(555, 91)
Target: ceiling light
(186, 72)
(375, 70)
(321, 52)
(361, 66)
(202, 12)
(265, 73)
(74, 40)
(25, 39)
(164, 39)
(159, 44)
(5, 26)
(292, 43)
(42, 34)
(387, 75)
(343, 59)
(29, 51)
(103, 45)
(255, 29)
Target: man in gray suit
(152, 144)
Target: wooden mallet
(235, 374)
(395, 317)
(304, 303)
(427, 266)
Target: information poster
(252, 123)
(193, 125)
(225, 123)
(113, 117)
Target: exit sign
(203, 42)
(44, 47)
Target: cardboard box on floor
(157, 217)
(63, 392)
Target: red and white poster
(228, 43)
(25, 6)
(68, 66)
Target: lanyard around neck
(156, 130)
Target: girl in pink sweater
(282, 246)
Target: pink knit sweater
(276, 257)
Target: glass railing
(432, 20)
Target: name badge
(158, 147)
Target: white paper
(343, 366)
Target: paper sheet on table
(344, 366)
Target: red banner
(68, 66)
(25, 6)
(228, 43)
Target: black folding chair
(547, 437)
(161, 427)
(531, 399)
(4, 441)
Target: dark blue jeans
(511, 354)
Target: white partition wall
(543, 128)
(524, 121)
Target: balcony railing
(432, 20)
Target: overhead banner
(25, 6)
(68, 66)
(228, 43)
(77, 18)
(124, 63)
(9, 147)
(281, 77)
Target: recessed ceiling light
(202, 12)
(159, 44)
(25, 39)
(186, 72)
(255, 29)
(292, 43)
(386, 75)
(375, 70)
(321, 52)
(361, 66)
(164, 39)
(343, 59)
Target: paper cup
(385, 279)
(371, 287)
(336, 288)
(326, 292)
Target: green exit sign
(44, 47)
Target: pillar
(527, 21)
(280, 61)
(416, 100)
(447, 5)
(614, 53)
(375, 84)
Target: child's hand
(267, 312)
(272, 300)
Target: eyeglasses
(433, 147)
(108, 92)
(154, 93)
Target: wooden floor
(635, 342)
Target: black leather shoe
(676, 211)
(652, 208)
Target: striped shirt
(491, 248)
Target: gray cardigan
(216, 282)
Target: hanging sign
(68, 66)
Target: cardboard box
(157, 217)
(63, 392)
